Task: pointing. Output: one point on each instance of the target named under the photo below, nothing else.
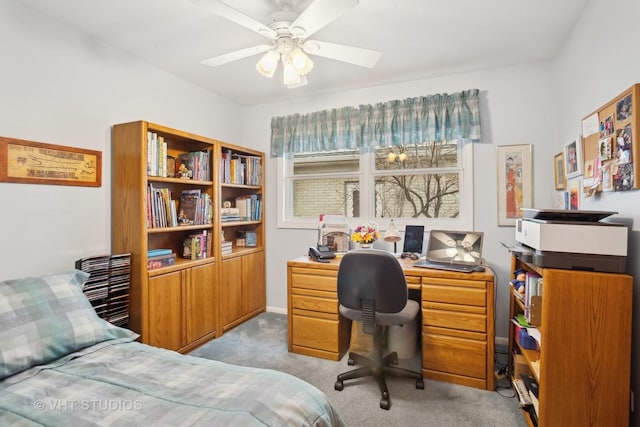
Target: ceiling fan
(288, 33)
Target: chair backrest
(372, 275)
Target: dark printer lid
(565, 215)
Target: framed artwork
(573, 158)
(574, 193)
(30, 162)
(515, 182)
(558, 171)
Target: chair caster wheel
(339, 385)
(385, 404)
(420, 384)
(351, 362)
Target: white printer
(572, 239)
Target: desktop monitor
(413, 238)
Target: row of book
(191, 165)
(107, 288)
(527, 390)
(240, 169)
(161, 208)
(197, 245)
(533, 298)
(229, 214)
(195, 208)
(249, 207)
(158, 258)
(227, 247)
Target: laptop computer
(453, 251)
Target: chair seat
(408, 314)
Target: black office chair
(372, 289)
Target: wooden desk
(457, 319)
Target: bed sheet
(129, 383)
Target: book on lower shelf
(159, 261)
(227, 247)
(197, 246)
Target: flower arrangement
(366, 233)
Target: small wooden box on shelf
(585, 317)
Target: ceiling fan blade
(353, 55)
(227, 12)
(234, 56)
(319, 14)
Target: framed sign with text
(30, 162)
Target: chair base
(378, 367)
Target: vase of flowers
(365, 235)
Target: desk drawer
(454, 319)
(456, 293)
(321, 334)
(454, 355)
(323, 305)
(313, 279)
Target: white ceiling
(418, 39)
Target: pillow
(45, 318)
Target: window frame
(367, 196)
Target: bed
(61, 365)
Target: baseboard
(278, 310)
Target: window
(428, 183)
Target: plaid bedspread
(132, 384)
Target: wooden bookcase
(242, 271)
(585, 349)
(178, 306)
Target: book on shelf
(249, 207)
(197, 245)
(238, 168)
(194, 165)
(188, 207)
(229, 214)
(532, 387)
(226, 247)
(161, 209)
(158, 252)
(159, 261)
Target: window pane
(418, 156)
(313, 163)
(418, 196)
(326, 195)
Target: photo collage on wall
(612, 168)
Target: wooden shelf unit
(178, 306)
(585, 350)
(243, 271)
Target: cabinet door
(254, 292)
(200, 302)
(165, 311)
(231, 290)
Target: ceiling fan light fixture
(302, 63)
(289, 73)
(303, 82)
(268, 63)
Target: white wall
(514, 110)
(598, 63)
(61, 87)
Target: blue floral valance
(441, 117)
